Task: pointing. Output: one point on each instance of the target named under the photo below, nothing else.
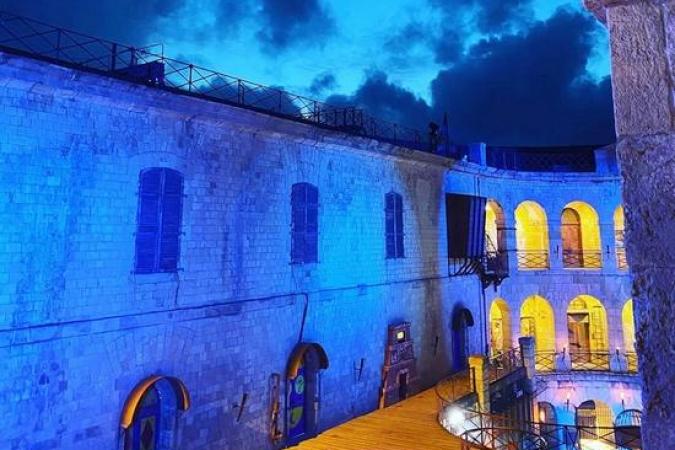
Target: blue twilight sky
(509, 72)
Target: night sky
(507, 72)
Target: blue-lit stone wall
(78, 329)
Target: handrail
(582, 259)
(504, 364)
(533, 259)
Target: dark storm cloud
(529, 88)
(286, 23)
(128, 21)
(385, 100)
(323, 82)
(488, 15)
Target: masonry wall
(79, 329)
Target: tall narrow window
(394, 225)
(159, 220)
(304, 223)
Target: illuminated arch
(132, 402)
(149, 413)
(595, 421)
(619, 238)
(580, 233)
(500, 326)
(495, 227)
(537, 320)
(628, 322)
(587, 334)
(531, 236)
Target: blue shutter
(399, 225)
(172, 208)
(298, 195)
(148, 220)
(390, 226)
(312, 226)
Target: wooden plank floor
(408, 425)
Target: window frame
(304, 223)
(394, 226)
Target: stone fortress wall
(79, 329)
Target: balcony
(597, 361)
(533, 259)
(581, 259)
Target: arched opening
(619, 239)
(461, 321)
(532, 236)
(149, 414)
(304, 391)
(500, 326)
(587, 334)
(580, 233)
(495, 238)
(548, 423)
(537, 320)
(594, 423)
(627, 428)
(628, 326)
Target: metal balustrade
(504, 364)
(631, 362)
(545, 361)
(582, 259)
(597, 361)
(533, 259)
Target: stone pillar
(527, 350)
(478, 368)
(555, 242)
(607, 248)
(642, 36)
(511, 245)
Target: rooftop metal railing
(148, 65)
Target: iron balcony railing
(582, 259)
(631, 362)
(533, 259)
(148, 65)
(504, 364)
(597, 361)
(497, 262)
(545, 361)
(621, 260)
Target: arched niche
(580, 235)
(587, 335)
(537, 320)
(500, 326)
(532, 240)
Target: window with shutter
(304, 223)
(159, 220)
(394, 225)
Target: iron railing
(567, 159)
(545, 361)
(582, 259)
(497, 262)
(631, 362)
(533, 259)
(504, 364)
(149, 66)
(621, 260)
(597, 361)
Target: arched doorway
(461, 321)
(500, 326)
(149, 414)
(495, 238)
(619, 238)
(537, 320)
(303, 391)
(628, 326)
(587, 334)
(580, 233)
(548, 423)
(532, 236)
(594, 423)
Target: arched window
(532, 236)
(303, 391)
(628, 325)
(495, 238)
(548, 424)
(619, 238)
(594, 422)
(150, 412)
(160, 210)
(394, 225)
(587, 334)
(580, 233)
(304, 223)
(537, 320)
(500, 326)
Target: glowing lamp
(400, 336)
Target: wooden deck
(408, 425)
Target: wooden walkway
(408, 425)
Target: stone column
(527, 351)
(479, 371)
(555, 242)
(642, 36)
